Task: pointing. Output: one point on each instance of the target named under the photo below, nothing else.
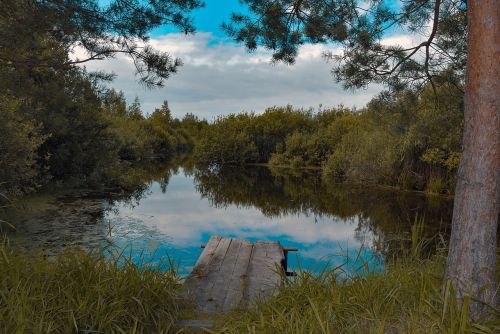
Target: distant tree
(47, 31)
(134, 110)
(164, 112)
(114, 102)
(454, 33)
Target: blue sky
(210, 17)
(220, 77)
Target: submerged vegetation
(404, 140)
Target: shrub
(364, 155)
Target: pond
(176, 209)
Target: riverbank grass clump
(81, 292)
(408, 296)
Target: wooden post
(285, 262)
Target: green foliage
(59, 122)
(436, 185)
(37, 35)
(397, 139)
(64, 127)
(19, 142)
(77, 292)
(283, 26)
(250, 138)
(364, 155)
(312, 146)
(227, 141)
(141, 138)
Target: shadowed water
(175, 210)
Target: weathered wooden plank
(218, 291)
(201, 267)
(263, 270)
(235, 286)
(203, 294)
(233, 272)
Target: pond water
(175, 210)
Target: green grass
(78, 292)
(406, 297)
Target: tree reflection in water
(388, 214)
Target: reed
(408, 296)
(81, 292)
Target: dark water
(174, 210)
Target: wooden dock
(234, 273)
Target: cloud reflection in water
(176, 222)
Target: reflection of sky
(177, 222)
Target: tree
(447, 25)
(43, 28)
(163, 112)
(472, 257)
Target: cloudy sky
(221, 77)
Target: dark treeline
(65, 128)
(408, 139)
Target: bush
(399, 138)
(364, 155)
(249, 138)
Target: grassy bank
(404, 298)
(79, 292)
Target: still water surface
(174, 212)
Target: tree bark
(471, 264)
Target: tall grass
(81, 292)
(408, 296)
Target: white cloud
(221, 77)
(405, 41)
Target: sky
(220, 77)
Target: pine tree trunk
(471, 264)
